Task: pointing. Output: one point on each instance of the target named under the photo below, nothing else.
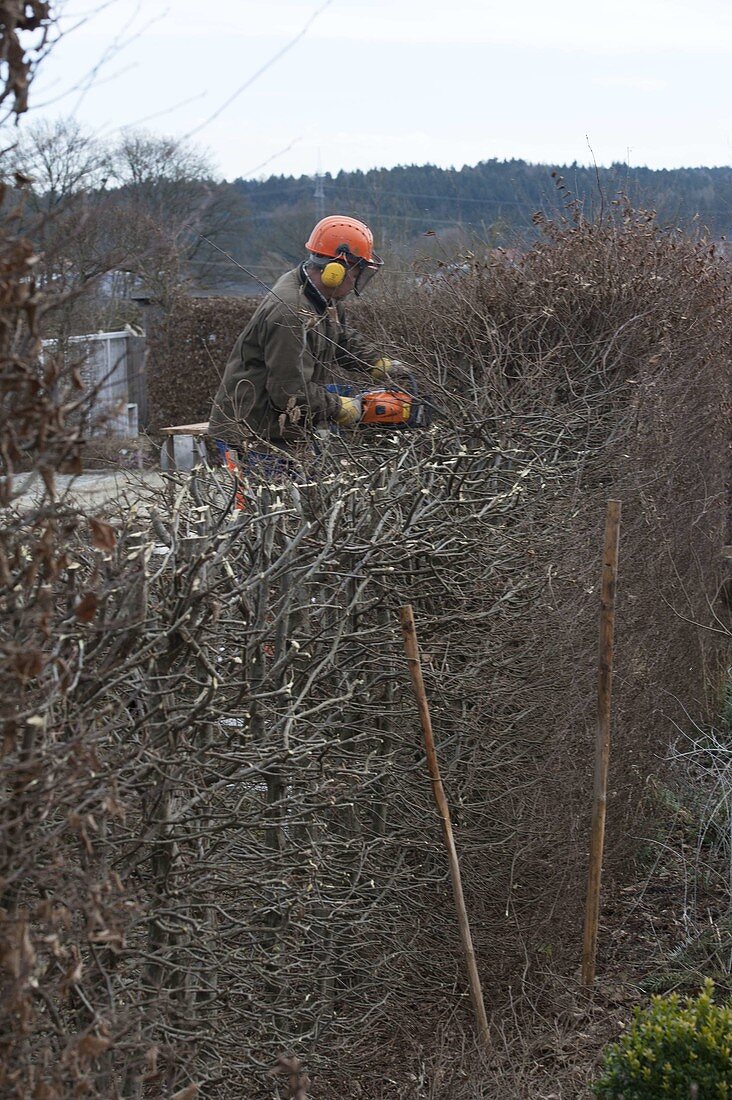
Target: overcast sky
(375, 83)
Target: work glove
(348, 413)
(381, 368)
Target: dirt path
(96, 488)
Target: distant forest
(411, 208)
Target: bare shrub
(60, 920)
(62, 910)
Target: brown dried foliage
(17, 17)
(62, 913)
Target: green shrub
(670, 1047)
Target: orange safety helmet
(336, 235)
(349, 243)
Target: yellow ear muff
(333, 274)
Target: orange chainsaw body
(386, 408)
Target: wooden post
(411, 647)
(602, 743)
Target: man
(274, 387)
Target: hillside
(494, 201)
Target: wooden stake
(411, 647)
(602, 743)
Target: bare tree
(107, 219)
(62, 160)
(169, 200)
(145, 160)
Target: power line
(263, 69)
(425, 219)
(275, 155)
(440, 200)
(383, 196)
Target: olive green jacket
(273, 386)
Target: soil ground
(665, 933)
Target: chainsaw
(396, 407)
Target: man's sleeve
(290, 365)
(355, 353)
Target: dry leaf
(114, 940)
(91, 1046)
(21, 957)
(151, 1060)
(28, 664)
(86, 607)
(103, 536)
(72, 465)
(73, 974)
(44, 1091)
(49, 480)
(188, 1093)
(9, 736)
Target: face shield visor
(366, 271)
